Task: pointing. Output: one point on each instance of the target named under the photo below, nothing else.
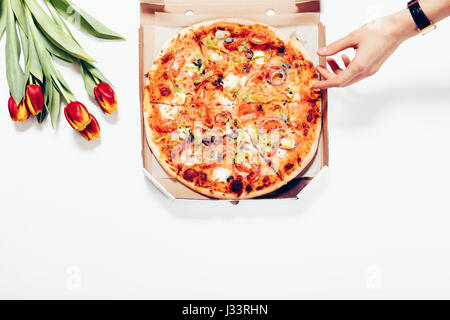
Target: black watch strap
(418, 15)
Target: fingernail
(323, 50)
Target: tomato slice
(248, 108)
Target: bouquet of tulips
(36, 86)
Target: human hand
(374, 43)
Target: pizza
(229, 110)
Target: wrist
(402, 25)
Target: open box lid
(233, 6)
(179, 13)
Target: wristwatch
(424, 25)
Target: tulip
(92, 131)
(34, 99)
(106, 97)
(77, 115)
(18, 113)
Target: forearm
(404, 26)
(436, 10)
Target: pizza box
(161, 19)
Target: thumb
(339, 45)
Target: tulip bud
(106, 97)
(92, 131)
(18, 113)
(34, 99)
(77, 115)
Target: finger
(339, 45)
(346, 60)
(341, 80)
(334, 66)
(324, 72)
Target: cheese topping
(214, 56)
(259, 60)
(180, 97)
(224, 101)
(281, 153)
(190, 70)
(232, 81)
(168, 112)
(221, 174)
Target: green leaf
(54, 33)
(24, 42)
(89, 81)
(93, 70)
(2, 17)
(57, 52)
(54, 50)
(85, 21)
(54, 105)
(14, 72)
(26, 56)
(32, 59)
(17, 7)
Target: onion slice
(255, 39)
(277, 76)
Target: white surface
(80, 220)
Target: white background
(79, 220)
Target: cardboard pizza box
(161, 19)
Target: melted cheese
(260, 60)
(230, 82)
(190, 70)
(221, 174)
(215, 56)
(224, 101)
(168, 112)
(180, 97)
(281, 153)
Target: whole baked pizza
(229, 110)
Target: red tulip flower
(106, 97)
(92, 131)
(77, 115)
(18, 113)
(34, 99)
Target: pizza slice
(285, 134)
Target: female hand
(373, 43)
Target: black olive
(249, 54)
(260, 108)
(198, 63)
(219, 82)
(204, 72)
(206, 141)
(281, 50)
(216, 84)
(229, 40)
(191, 138)
(230, 178)
(246, 70)
(213, 140)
